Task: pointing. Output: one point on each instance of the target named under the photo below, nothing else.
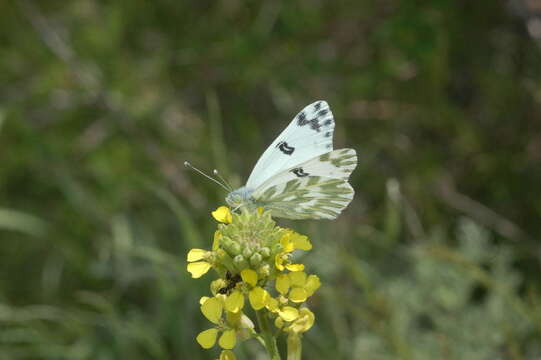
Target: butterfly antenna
(215, 172)
(188, 165)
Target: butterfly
(300, 176)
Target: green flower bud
(265, 252)
(235, 249)
(255, 259)
(240, 262)
(225, 242)
(220, 254)
(247, 252)
(264, 270)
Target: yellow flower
(197, 265)
(213, 309)
(223, 214)
(291, 241)
(227, 355)
(303, 322)
(298, 285)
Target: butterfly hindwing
(310, 197)
(308, 135)
(315, 189)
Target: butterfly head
(240, 197)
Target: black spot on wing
(285, 148)
(323, 112)
(315, 125)
(301, 119)
(299, 172)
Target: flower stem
(268, 336)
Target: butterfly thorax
(241, 197)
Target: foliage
(437, 256)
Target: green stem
(266, 333)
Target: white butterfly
(300, 176)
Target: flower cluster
(254, 261)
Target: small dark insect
(232, 281)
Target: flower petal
(288, 313)
(297, 278)
(301, 242)
(203, 299)
(295, 267)
(249, 276)
(278, 261)
(228, 339)
(312, 284)
(196, 254)
(298, 295)
(285, 241)
(223, 214)
(216, 241)
(272, 305)
(212, 309)
(258, 298)
(234, 302)
(246, 322)
(198, 268)
(282, 283)
(304, 322)
(207, 338)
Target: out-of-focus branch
(448, 193)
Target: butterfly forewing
(337, 164)
(308, 135)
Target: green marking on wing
(344, 158)
(325, 157)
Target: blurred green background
(102, 101)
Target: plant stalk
(267, 334)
